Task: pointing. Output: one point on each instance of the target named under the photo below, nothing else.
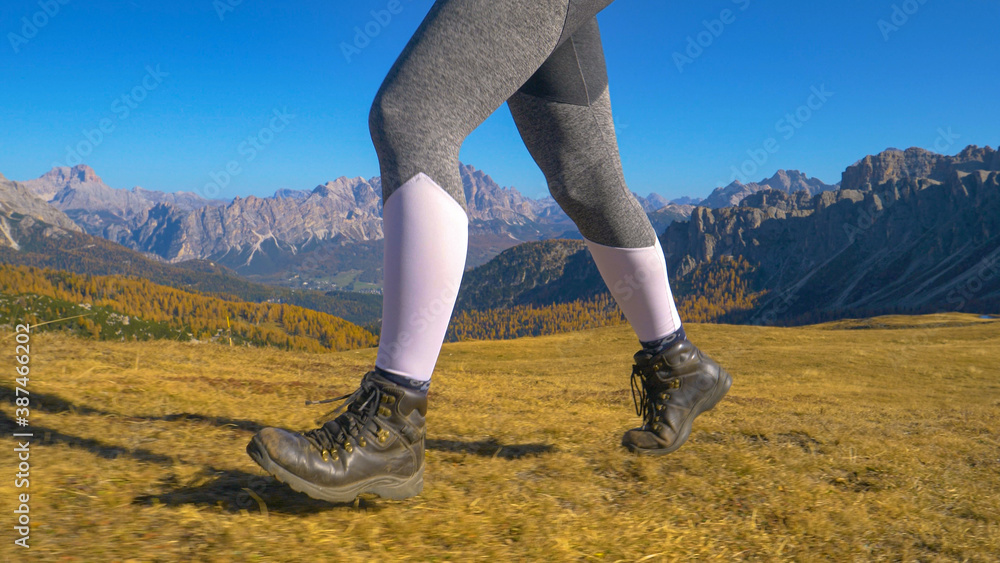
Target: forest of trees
(716, 291)
(531, 320)
(85, 254)
(203, 316)
(719, 291)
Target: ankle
(403, 381)
(657, 346)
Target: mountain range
(327, 237)
(788, 181)
(906, 231)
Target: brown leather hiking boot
(375, 445)
(673, 387)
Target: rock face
(533, 273)
(22, 211)
(333, 224)
(914, 232)
(908, 231)
(788, 181)
(894, 165)
(100, 209)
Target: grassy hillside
(857, 440)
(85, 254)
(105, 306)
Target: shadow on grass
(47, 402)
(489, 448)
(49, 436)
(228, 490)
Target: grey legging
(544, 58)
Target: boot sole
(706, 403)
(385, 486)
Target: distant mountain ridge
(22, 211)
(98, 208)
(904, 231)
(788, 181)
(296, 236)
(910, 231)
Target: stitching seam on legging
(583, 78)
(569, 5)
(590, 107)
(623, 193)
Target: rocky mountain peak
(785, 179)
(19, 210)
(80, 173)
(893, 165)
(788, 181)
(286, 193)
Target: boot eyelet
(664, 396)
(334, 455)
(384, 411)
(383, 435)
(348, 447)
(361, 441)
(325, 456)
(388, 399)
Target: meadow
(858, 440)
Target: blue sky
(179, 88)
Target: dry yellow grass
(859, 440)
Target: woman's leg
(564, 116)
(466, 58)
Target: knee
(572, 200)
(403, 126)
(385, 120)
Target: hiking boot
(375, 445)
(670, 389)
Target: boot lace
(352, 416)
(642, 400)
